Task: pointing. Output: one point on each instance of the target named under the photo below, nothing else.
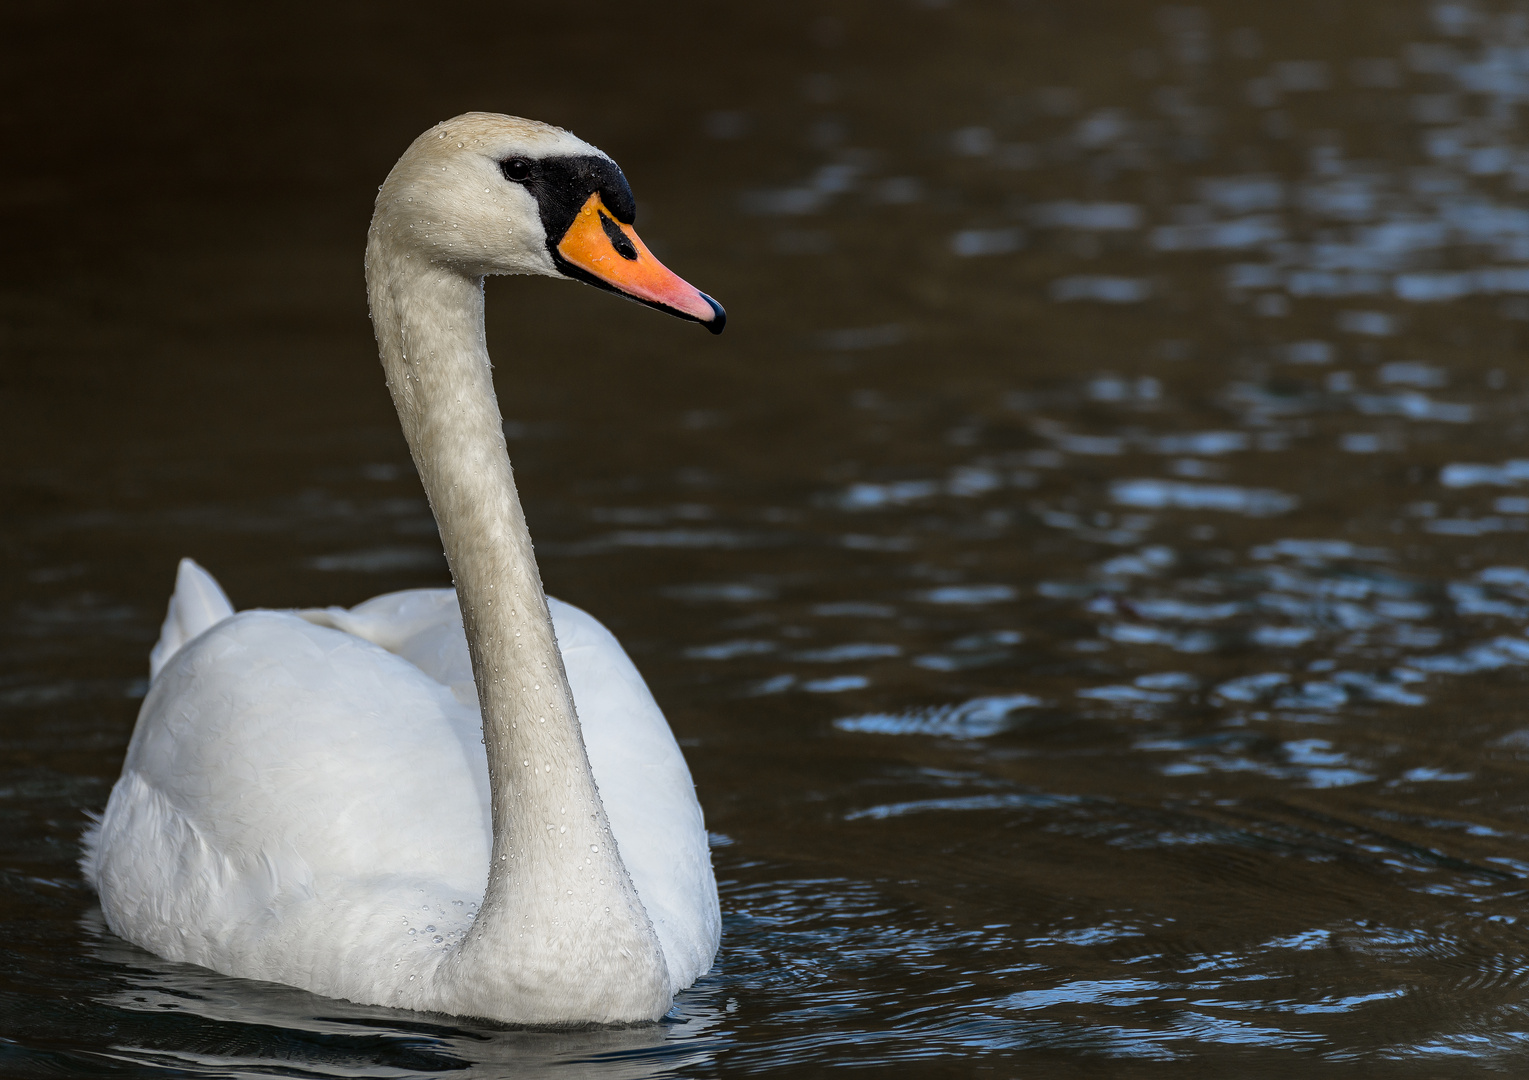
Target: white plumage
(306, 796)
(375, 803)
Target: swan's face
(493, 194)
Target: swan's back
(305, 798)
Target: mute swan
(315, 797)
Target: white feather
(197, 604)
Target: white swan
(374, 804)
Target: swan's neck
(561, 928)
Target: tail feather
(198, 603)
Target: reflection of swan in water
(259, 1028)
(316, 798)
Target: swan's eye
(515, 169)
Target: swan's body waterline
(586, 915)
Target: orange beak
(611, 254)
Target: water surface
(1089, 578)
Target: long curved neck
(561, 929)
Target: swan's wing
(289, 792)
(424, 626)
(647, 790)
(641, 773)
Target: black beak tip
(719, 317)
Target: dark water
(1089, 578)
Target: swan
(461, 801)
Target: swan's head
(492, 194)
